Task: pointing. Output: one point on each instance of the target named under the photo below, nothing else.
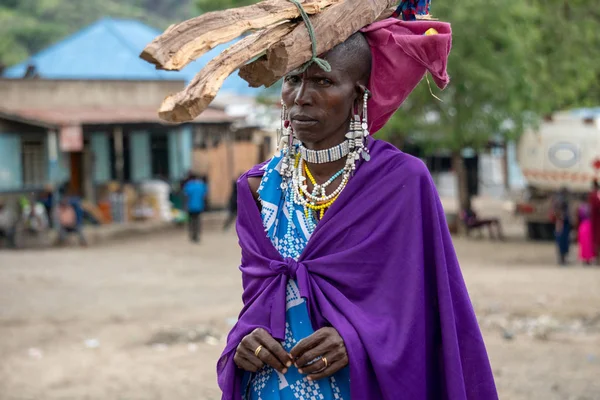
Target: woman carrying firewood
(351, 284)
(352, 289)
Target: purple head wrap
(402, 54)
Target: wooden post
(230, 153)
(119, 158)
(462, 186)
(180, 170)
(53, 176)
(506, 166)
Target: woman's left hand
(327, 345)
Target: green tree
(509, 63)
(570, 76)
(492, 69)
(27, 26)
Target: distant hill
(28, 26)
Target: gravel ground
(146, 318)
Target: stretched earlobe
(364, 91)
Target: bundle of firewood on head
(285, 35)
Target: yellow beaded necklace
(317, 207)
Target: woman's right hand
(249, 358)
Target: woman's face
(320, 103)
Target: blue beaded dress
(286, 225)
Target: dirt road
(145, 319)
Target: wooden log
(189, 103)
(182, 43)
(332, 26)
(386, 14)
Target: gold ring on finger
(257, 351)
(325, 361)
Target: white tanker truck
(563, 152)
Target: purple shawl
(381, 269)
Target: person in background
(33, 214)
(232, 207)
(195, 191)
(46, 198)
(8, 221)
(70, 222)
(584, 236)
(594, 203)
(562, 231)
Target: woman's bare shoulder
(254, 183)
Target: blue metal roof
(109, 49)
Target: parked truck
(563, 152)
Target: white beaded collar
(325, 156)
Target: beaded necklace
(325, 156)
(321, 188)
(317, 201)
(313, 203)
(293, 180)
(320, 206)
(289, 237)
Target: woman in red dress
(594, 202)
